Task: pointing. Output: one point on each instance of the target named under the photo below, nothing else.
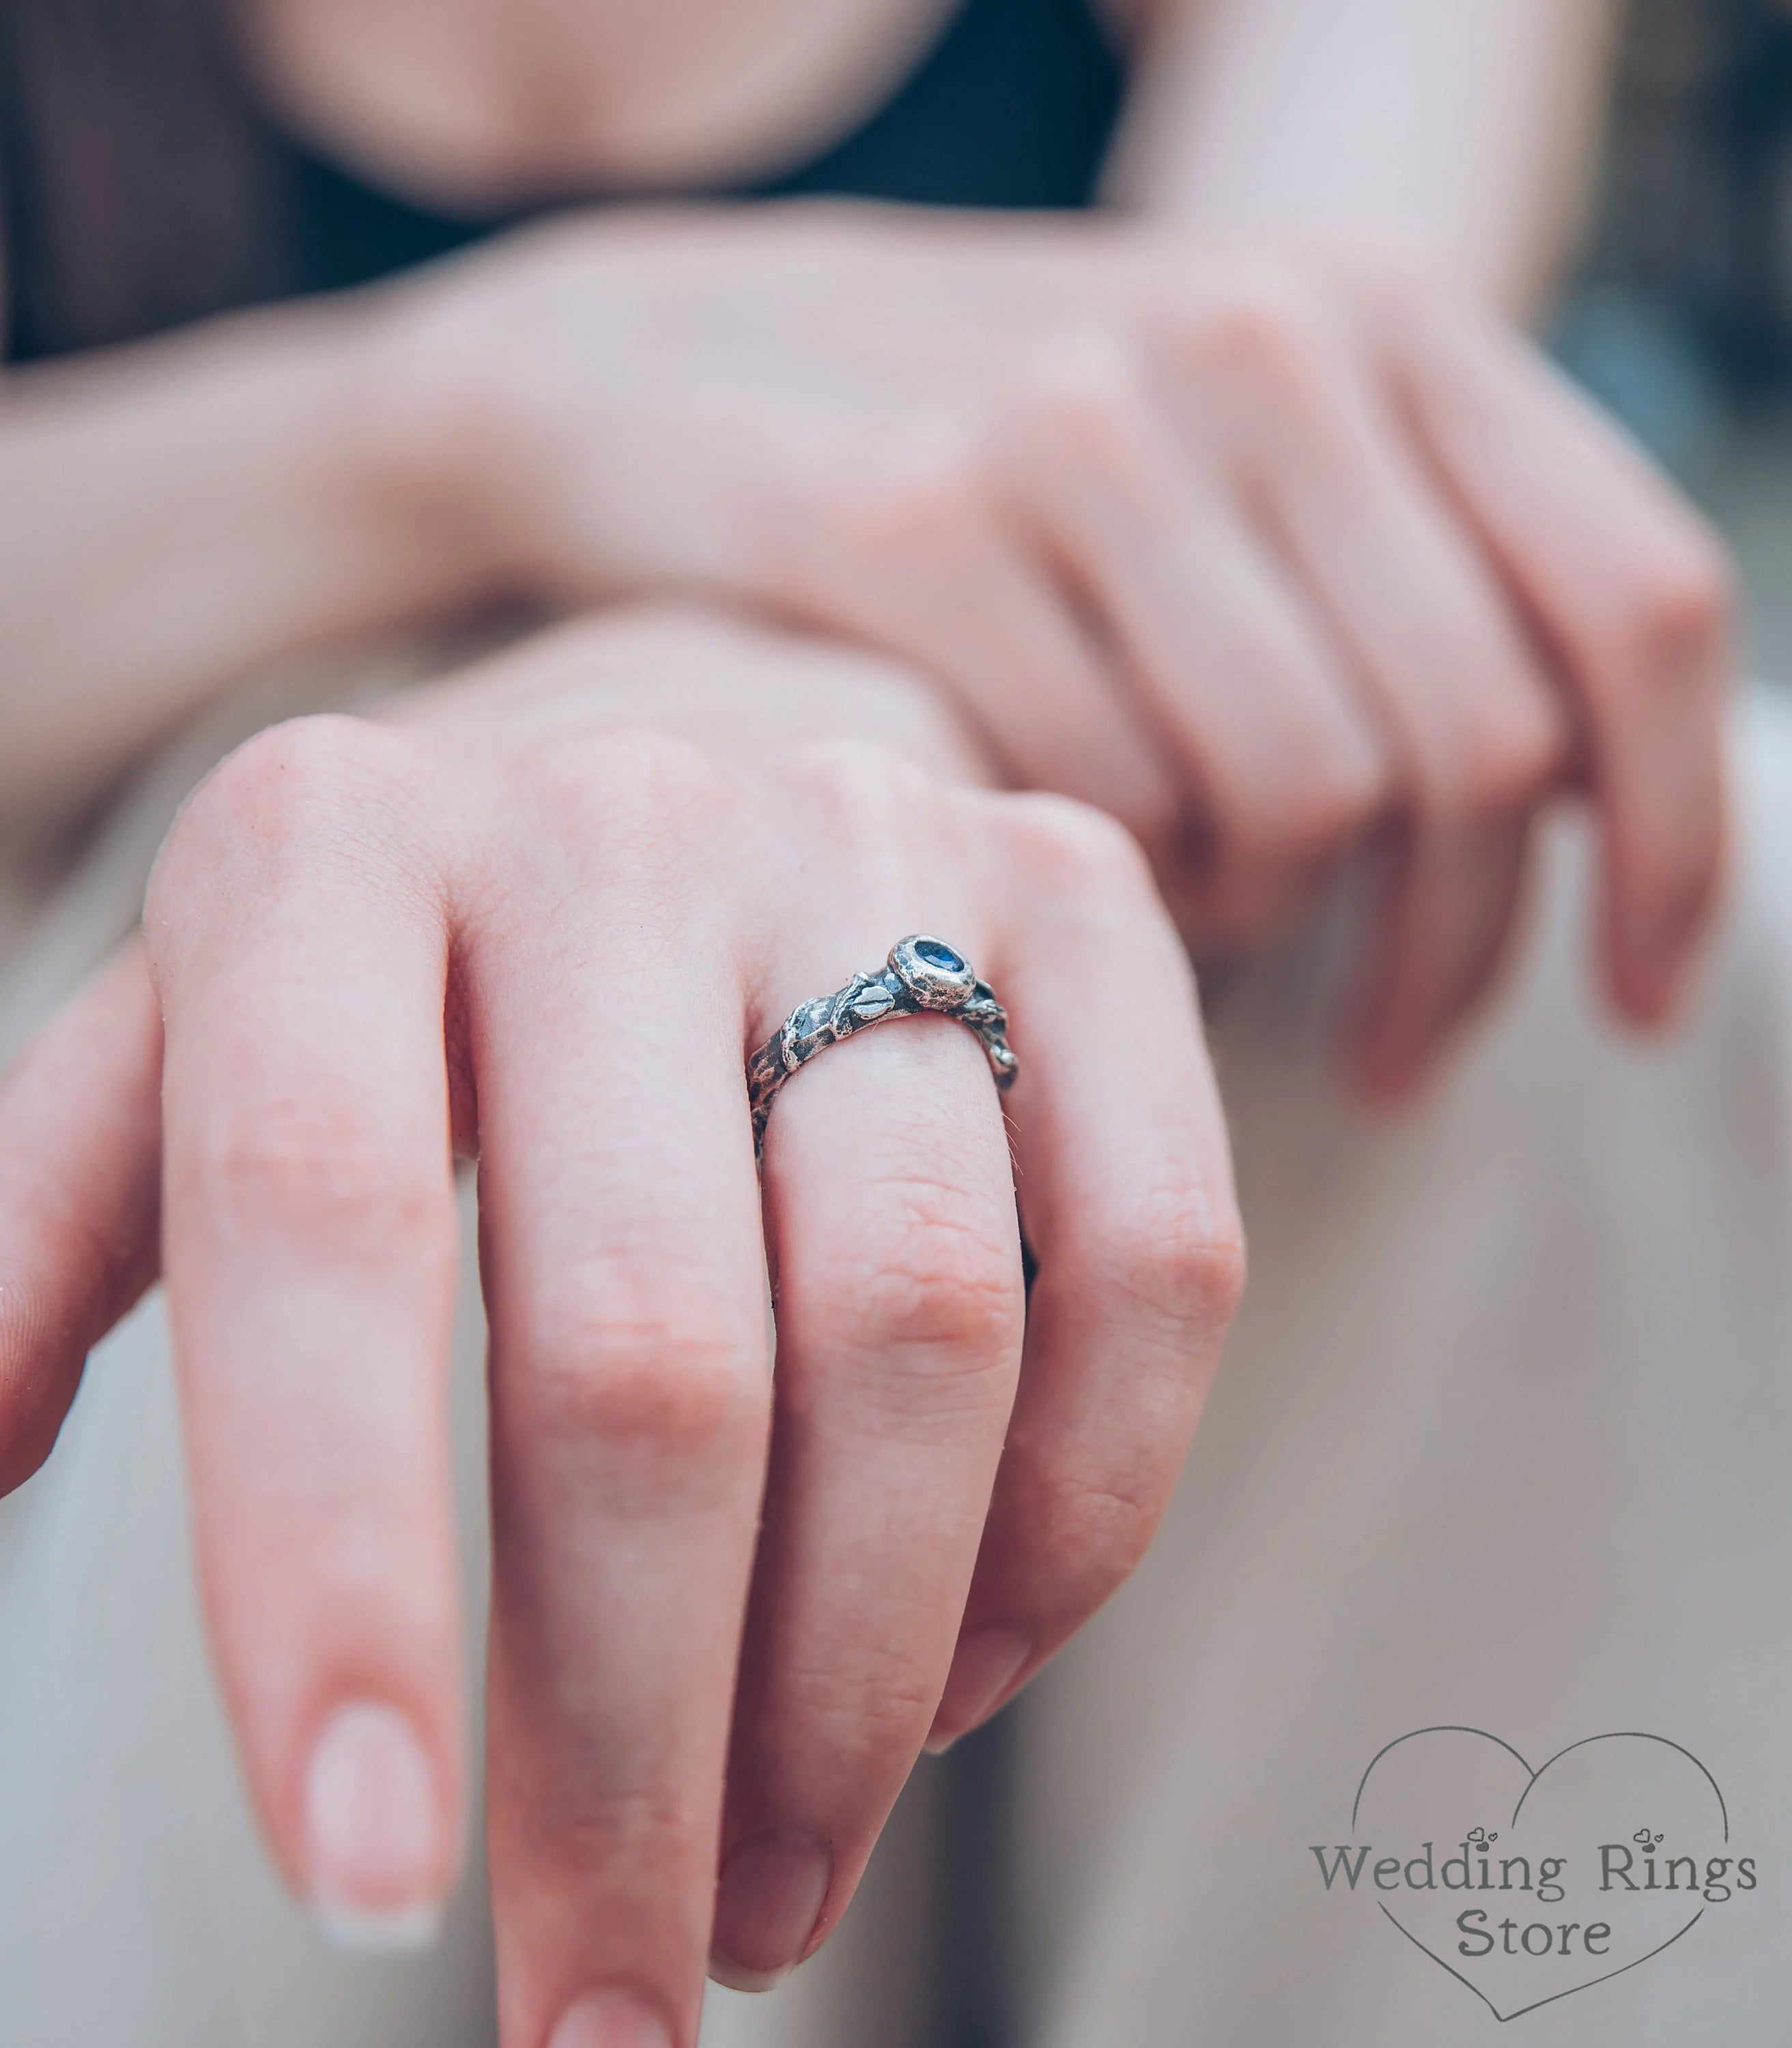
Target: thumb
(80, 1164)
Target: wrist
(471, 410)
(426, 468)
(526, 398)
(239, 485)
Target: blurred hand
(518, 921)
(1266, 558)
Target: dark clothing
(1013, 106)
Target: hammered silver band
(922, 977)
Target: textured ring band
(922, 977)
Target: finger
(1453, 907)
(625, 1286)
(926, 569)
(1632, 593)
(310, 1258)
(891, 1211)
(1127, 1198)
(1471, 720)
(1285, 768)
(80, 1139)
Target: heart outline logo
(1532, 1777)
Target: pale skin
(1356, 568)
(1268, 551)
(607, 912)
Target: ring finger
(890, 1215)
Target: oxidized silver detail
(922, 975)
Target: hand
(517, 916)
(1263, 557)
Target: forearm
(1466, 127)
(175, 514)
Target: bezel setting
(938, 976)
(923, 975)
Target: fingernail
(985, 1666)
(1390, 1084)
(773, 1888)
(1657, 978)
(611, 2019)
(373, 1830)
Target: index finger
(310, 1252)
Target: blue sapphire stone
(936, 955)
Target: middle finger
(624, 1277)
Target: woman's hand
(518, 922)
(1263, 557)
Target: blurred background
(1681, 320)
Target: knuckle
(1694, 586)
(1321, 803)
(1494, 759)
(597, 1363)
(917, 505)
(860, 791)
(1156, 822)
(896, 701)
(1086, 1512)
(1264, 324)
(1093, 1531)
(869, 1703)
(1080, 391)
(1399, 279)
(1065, 845)
(633, 1830)
(293, 775)
(943, 1287)
(1682, 616)
(625, 783)
(1338, 803)
(318, 1170)
(1507, 766)
(1177, 1260)
(294, 788)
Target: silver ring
(923, 976)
